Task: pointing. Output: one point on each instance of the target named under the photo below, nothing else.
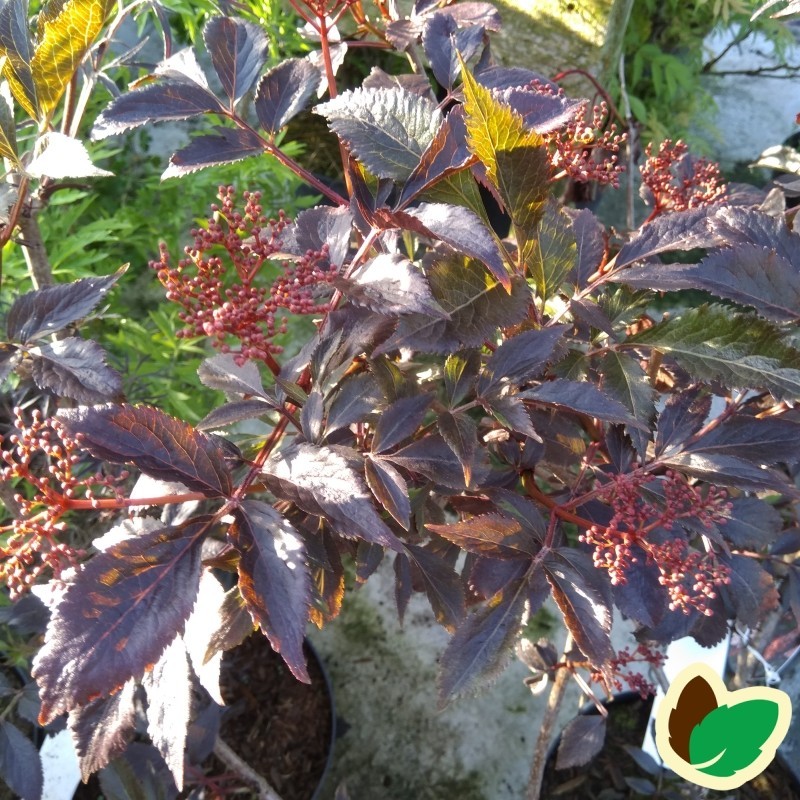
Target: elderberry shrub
(506, 420)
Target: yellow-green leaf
(8, 131)
(15, 46)
(65, 35)
(515, 157)
(554, 253)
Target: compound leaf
(161, 446)
(274, 579)
(118, 615)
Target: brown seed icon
(696, 701)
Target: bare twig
(790, 71)
(225, 754)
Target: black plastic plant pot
(614, 774)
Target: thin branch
(231, 760)
(737, 40)
(762, 72)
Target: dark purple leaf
(522, 509)
(787, 542)
(399, 421)
(739, 226)
(432, 458)
(416, 84)
(385, 129)
(140, 772)
(642, 786)
(463, 230)
(583, 397)
(443, 42)
(389, 488)
(460, 372)
(496, 77)
(581, 741)
(390, 284)
(730, 471)
(641, 597)
(584, 605)
(751, 523)
(644, 760)
(223, 373)
(311, 416)
(368, 559)
(20, 764)
(683, 415)
(75, 368)
(401, 33)
(480, 647)
(274, 579)
(159, 445)
(461, 434)
(118, 615)
(51, 308)
(283, 92)
(238, 50)
(521, 358)
(749, 274)
(511, 413)
(442, 586)
(490, 575)
(475, 13)
(355, 400)
(490, 535)
(477, 304)
(540, 111)
(319, 226)
(230, 413)
(590, 239)
(231, 144)
(102, 729)
(236, 624)
(325, 481)
(168, 100)
(793, 593)
(402, 584)
(761, 441)
(168, 686)
(751, 591)
(446, 154)
(682, 230)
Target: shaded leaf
(355, 400)
(553, 255)
(461, 434)
(379, 79)
(480, 647)
(491, 575)
(229, 413)
(590, 243)
(168, 100)
(75, 368)
(521, 358)
(284, 91)
(624, 379)
(739, 350)
(238, 50)
(235, 625)
(511, 413)
(118, 615)
(446, 154)
(749, 274)
(274, 579)
(515, 157)
(15, 45)
(490, 535)
(390, 284)
(58, 156)
(460, 373)
(20, 764)
(232, 144)
(730, 471)
(751, 590)
(682, 417)
(641, 597)
(443, 41)
(389, 488)
(51, 308)
(311, 416)
(324, 481)
(402, 584)
(399, 421)
(102, 729)
(169, 698)
(442, 586)
(387, 130)
(583, 397)
(696, 701)
(581, 741)
(63, 39)
(320, 226)
(476, 302)
(432, 458)
(161, 446)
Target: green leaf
(554, 253)
(387, 130)
(738, 350)
(515, 157)
(65, 36)
(458, 189)
(732, 736)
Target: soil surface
(278, 725)
(604, 777)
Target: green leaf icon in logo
(716, 738)
(730, 738)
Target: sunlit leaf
(238, 50)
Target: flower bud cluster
(635, 680)
(221, 284)
(587, 147)
(677, 181)
(47, 464)
(690, 577)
